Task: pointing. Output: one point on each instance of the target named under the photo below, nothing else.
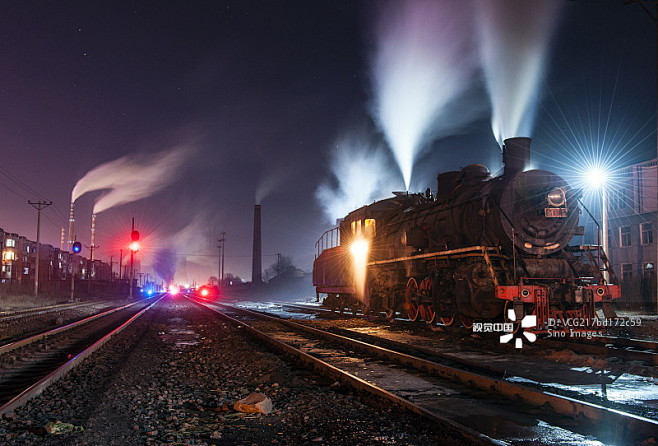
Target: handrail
(330, 239)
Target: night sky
(258, 94)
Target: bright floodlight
(596, 177)
(359, 248)
(134, 246)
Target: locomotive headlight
(557, 197)
(359, 248)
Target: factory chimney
(71, 223)
(93, 236)
(62, 240)
(516, 155)
(256, 277)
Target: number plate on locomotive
(555, 212)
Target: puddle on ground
(180, 333)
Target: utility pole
(73, 264)
(221, 263)
(278, 263)
(132, 258)
(654, 16)
(38, 205)
(120, 262)
(91, 266)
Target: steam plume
(514, 36)
(130, 178)
(268, 183)
(424, 59)
(362, 174)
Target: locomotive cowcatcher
(480, 247)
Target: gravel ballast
(174, 376)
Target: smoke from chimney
(256, 276)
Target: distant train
(482, 246)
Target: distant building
(632, 231)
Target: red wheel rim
(447, 320)
(409, 304)
(467, 322)
(430, 314)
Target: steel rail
(626, 426)
(11, 315)
(29, 340)
(353, 381)
(42, 384)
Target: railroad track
(7, 316)
(499, 410)
(644, 351)
(20, 324)
(28, 366)
(610, 346)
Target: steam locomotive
(482, 249)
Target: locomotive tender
(482, 246)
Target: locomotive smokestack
(256, 265)
(71, 223)
(516, 155)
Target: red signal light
(134, 246)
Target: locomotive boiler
(478, 248)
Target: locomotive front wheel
(467, 322)
(427, 313)
(409, 304)
(447, 320)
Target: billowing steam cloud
(514, 36)
(361, 172)
(130, 178)
(424, 59)
(186, 255)
(164, 264)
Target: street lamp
(597, 179)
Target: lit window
(626, 271)
(646, 233)
(11, 242)
(370, 227)
(26, 271)
(356, 227)
(8, 255)
(625, 236)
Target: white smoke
(514, 37)
(362, 174)
(268, 183)
(425, 58)
(131, 178)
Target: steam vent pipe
(516, 155)
(256, 263)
